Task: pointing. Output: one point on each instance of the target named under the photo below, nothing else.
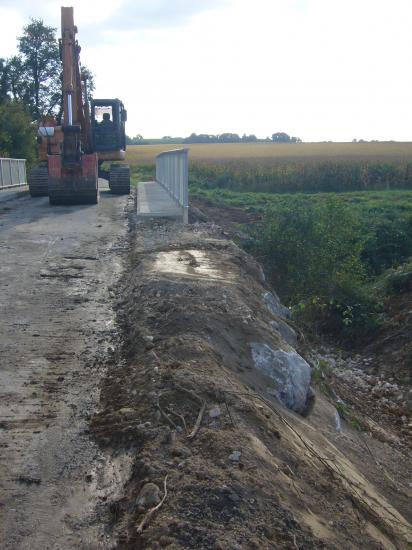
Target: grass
(388, 201)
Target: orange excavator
(92, 132)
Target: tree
(34, 73)
(251, 137)
(4, 84)
(229, 138)
(280, 137)
(17, 134)
(88, 77)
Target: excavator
(92, 132)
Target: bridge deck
(153, 201)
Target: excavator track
(73, 191)
(59, 199)
(67, 196)
(37, 179)
(119, 179)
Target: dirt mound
(196, 432)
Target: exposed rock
(287, 332)
(275, 306)
(215, 412)
(235, 456)
(289, 371)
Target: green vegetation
(331, 256)
(227, 137)
(142, 172)
(330, 222)
(140, 140)
(33, 75)
(399, 280)
(30, 89)
(312, 255)
(17, 136)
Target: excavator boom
(73, 175)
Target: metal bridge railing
(172, 172)
(12, 173)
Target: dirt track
(56, 331)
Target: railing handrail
(8, 158)
(181, 150)
(172, 173)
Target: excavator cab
(108, 117)
(108, 128)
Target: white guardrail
(12, 173)
(172, 172)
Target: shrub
(388, 242)
(312, 254)
(17, 135)
(400, 280)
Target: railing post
(11, 173)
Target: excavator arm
(73, 175)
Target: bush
(389, 242)
(400, 280)
(312, 254)
(17, 135)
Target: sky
(317, 69)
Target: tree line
(228, 137)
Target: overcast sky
(317, 69)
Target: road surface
(58, 266)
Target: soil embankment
(196, 430)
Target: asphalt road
(57, 267)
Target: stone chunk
(290, 373)
(287, 332)
(275, 306)
(215, 412)
(235, 456)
